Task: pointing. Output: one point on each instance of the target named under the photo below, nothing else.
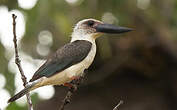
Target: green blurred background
(138, 67)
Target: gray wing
(68, 55)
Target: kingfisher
(69, 62)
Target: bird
(70, 61)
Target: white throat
(78, 36)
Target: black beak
(111, 29)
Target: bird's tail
(28, 88)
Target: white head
(90, 29)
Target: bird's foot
(72, 87)
(68, 85)
(75, 78)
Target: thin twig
(120, 103)
(67, 99)
(18, 63)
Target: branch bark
(18, 63)
(120, 103)
(71, 90)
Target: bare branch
(120, 103)
(67, 99)
(18, 63)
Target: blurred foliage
(139, 67)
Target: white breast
(78, 69)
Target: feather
(70, 54)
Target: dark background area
(138, 67)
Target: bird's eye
(90, 23)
